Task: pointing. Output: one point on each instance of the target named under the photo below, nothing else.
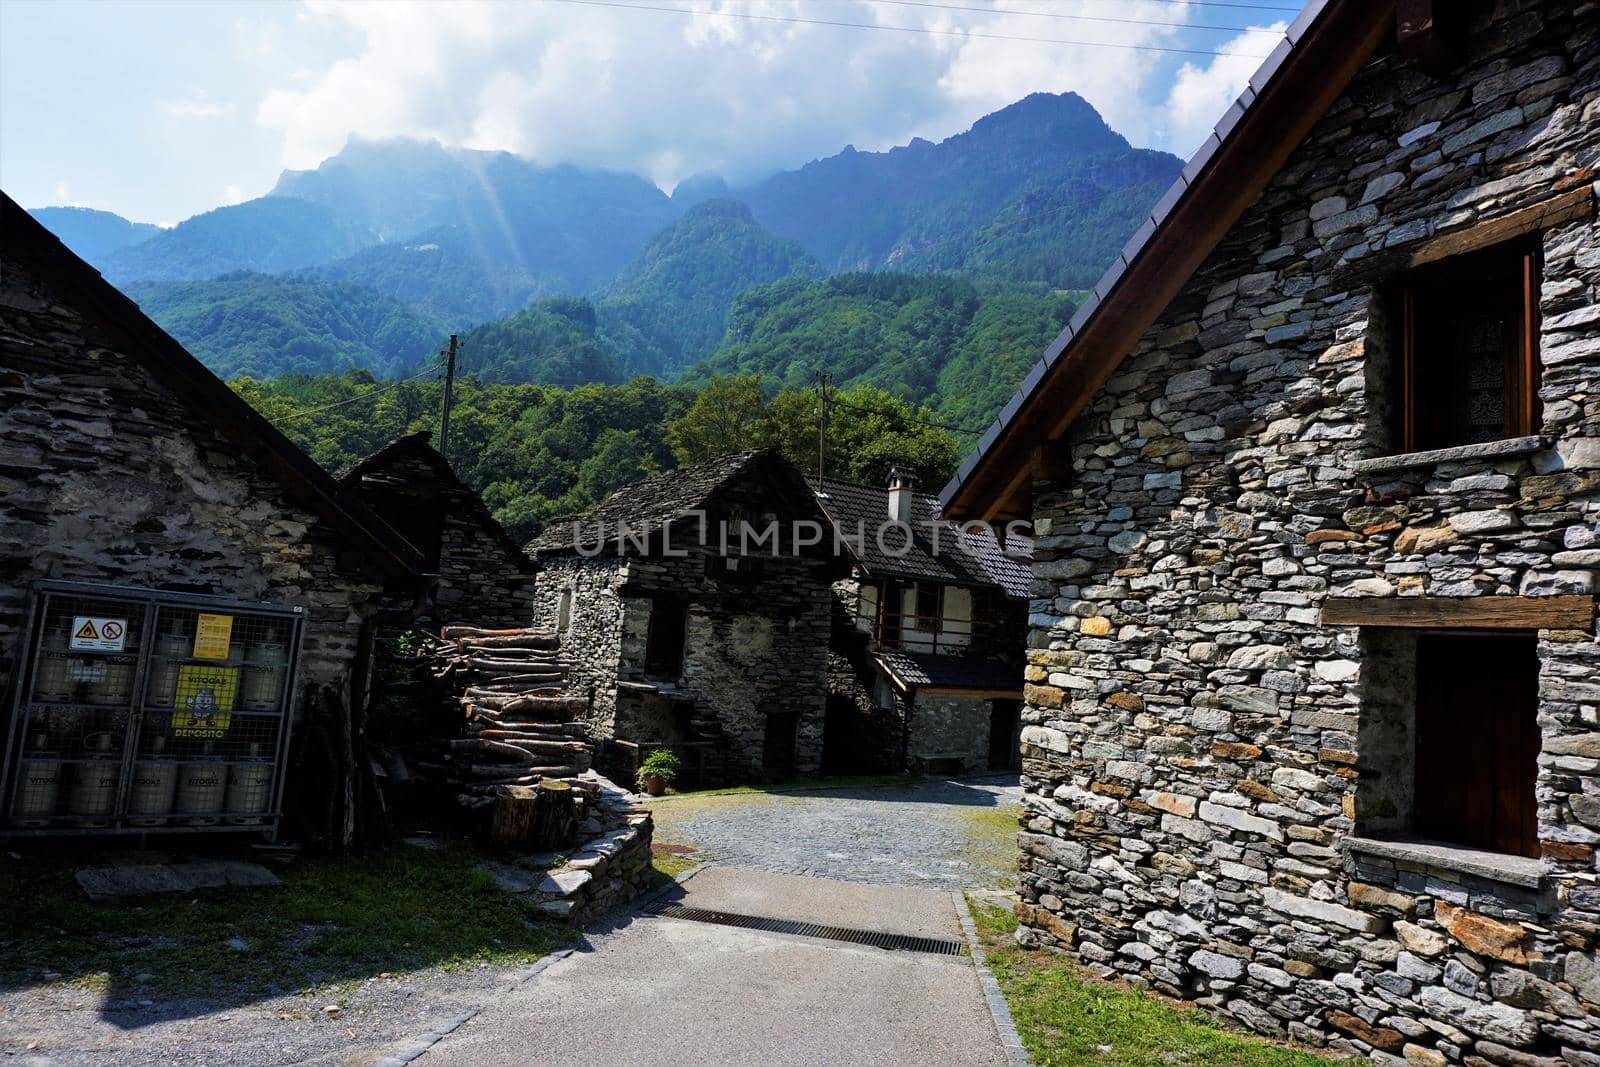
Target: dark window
(1477, 741)
(1469, 349)
(663, 646)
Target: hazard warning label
(98, 635)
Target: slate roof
(123, 327)
(1318, 54)
(924, 670)
(962, 558)
(419, 445)
(654, 502)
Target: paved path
(660, 990)
(935, 834)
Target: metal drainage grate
(904, 942)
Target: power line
(1075, 18)
(966, 34)
(360, 396)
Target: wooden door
(1477, 741)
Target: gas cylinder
(94, 783)
(38, 783)
(249, 787)
(200, 789)
(152, 788)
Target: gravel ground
(941, 835)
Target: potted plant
(657, 771)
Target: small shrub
(661, 763)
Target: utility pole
(449, 392)
(824, 379)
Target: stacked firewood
(518, 712)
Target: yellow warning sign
(205, 698)
(213, 634)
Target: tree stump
(534, 818)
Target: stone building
(484, 577)
(686, 640)
(124, 462)
(926, 654)
(1313, 716)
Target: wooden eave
(1293, 90)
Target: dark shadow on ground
(333, 920)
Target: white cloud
(196, 106)
(1200, 95)
(668, 95)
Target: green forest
(541, 452)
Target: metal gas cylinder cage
(142, 711)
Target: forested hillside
(1019, 181)
(538, 453)
(936, 273)
(669, 307)
(933, 339)
(264, 325)
(93, 234)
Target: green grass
(1066, 1019)
(668, 865)
(992, 841)
(332, 921)
(835, 782)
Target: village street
(886, 858)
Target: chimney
(902, 487)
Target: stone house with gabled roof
(688, 641)
(925, 659)
(136, 486)
(484, 577)
(1313, 709)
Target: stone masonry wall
(1192, 772)
(592, 641)
(751, 650)
(947, 726)
(106, 477)
(479, 577)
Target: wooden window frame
(1521, 359)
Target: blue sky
(159, 111)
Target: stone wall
(1193, 779)
(591, 640)
(106, 477)
(946, 727)
(484, 579)
(752, 648)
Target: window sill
(1453, 859)
(1511, 446)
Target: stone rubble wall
(478, 571)
(949, 726)
(592, 643)
(1192, 765)
(751, 648)
(106, 477)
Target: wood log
(513, 639)
(453, 632)
(495, 773)
(534, 818)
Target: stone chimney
(902, 487)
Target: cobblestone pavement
(941, 835)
